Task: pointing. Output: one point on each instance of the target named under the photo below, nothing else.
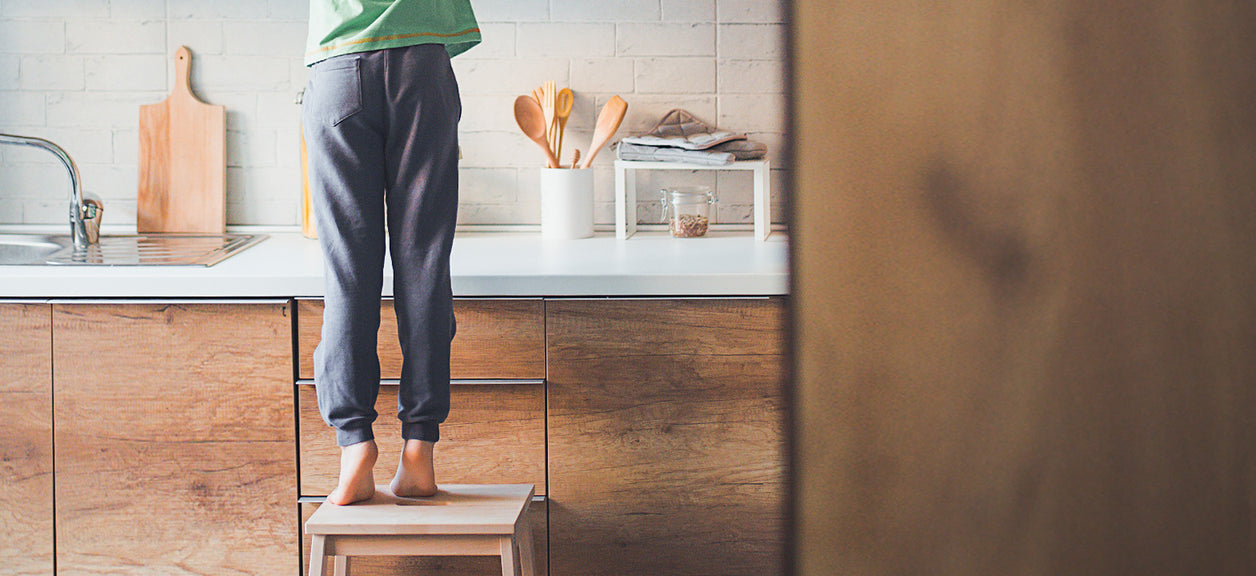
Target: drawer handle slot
(452, 382)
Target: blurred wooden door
(1024, 256)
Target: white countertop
(504, 264)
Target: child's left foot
(357, 481)
(415, 475)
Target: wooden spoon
(531, 120)
(562, 111)
(608, 122)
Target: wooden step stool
(460, 520)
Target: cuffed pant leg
(347, 180)
(422, 199)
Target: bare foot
(415, 475)
(357, 482)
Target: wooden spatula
(182, 163)
(608, 121)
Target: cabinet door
(26, 439)
(176, 449)
(666, 437)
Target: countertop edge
(506, 265)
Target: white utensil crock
(566, 203)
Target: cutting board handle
(182, 73)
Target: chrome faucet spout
(82, 211)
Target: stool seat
(460, 520)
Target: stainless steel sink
(126, 250)
(30, 248)
(84, 246)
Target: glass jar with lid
(687, 210)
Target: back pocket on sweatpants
(337, 85)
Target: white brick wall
(675, 75)
(56, 9)
(53, 72)
(129, 72)
(32, 36)
(114, 37)
(76, 72)
(137, 9)
(688, 10)
(665, 39)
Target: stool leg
(509, 566)
(341, 564)
(525, 550)
(318, 564)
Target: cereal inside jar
(687, 209)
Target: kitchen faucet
(85, 213)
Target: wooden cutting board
(183, 161)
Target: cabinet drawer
(438, 565)
(495, 434)
(496, 339)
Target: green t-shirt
(344, 26)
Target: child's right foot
(357, 481)
(415, 474)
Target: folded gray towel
(629, 151)
(680, 129)
(742, 149)
(681, 137)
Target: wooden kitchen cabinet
(666, 443)
(175, 438)
(652, 426)
(26, 439)
(495, 434)
(496, 339)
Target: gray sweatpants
(381, 130)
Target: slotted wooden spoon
(562, 111)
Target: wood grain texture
(666, 436)
(439, 565)
(1024, 254)
(496, 339)
(26, 439)
(175, 438)
(182, 161)
(495, 434)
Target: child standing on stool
(380, 119)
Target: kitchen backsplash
(76, 72)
